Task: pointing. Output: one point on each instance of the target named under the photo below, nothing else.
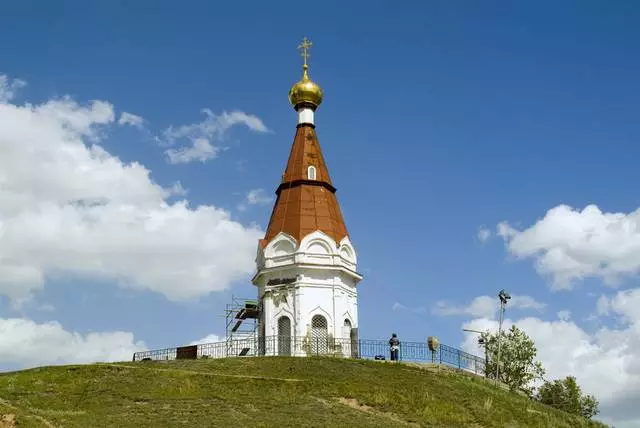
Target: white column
(305, 115)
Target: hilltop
(271, 391)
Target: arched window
(311, 172)
(319, 335)
(284, 336)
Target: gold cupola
(306, 92)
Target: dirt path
(354, 404)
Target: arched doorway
(345, 340)
(319, 335)
(284, 336)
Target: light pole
(504, 296)
(482, 343)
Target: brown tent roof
(303, 205)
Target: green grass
(265, 392)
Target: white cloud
(258, 196)
(23, 343)
(9, 87)
(255, 197)
(602, 305)
(131, 120)
(605, 362)
(200, 150)
(211, 338)
(526, 302)
(484, 234)
(417, 309)
(569, 245)
(398, 307)
(202, 134)
(486, 306)
(68, 208)
(625, 304)
(564, 315)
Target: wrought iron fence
(304, 347)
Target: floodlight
(504, 296)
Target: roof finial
(305, 92)
(304, 51)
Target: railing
(305, 347)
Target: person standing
(394, 344)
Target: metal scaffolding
(241, 325)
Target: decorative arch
(319, 236)
(318, 247)
(281, 245)
(319, 310)
(346, 253)
(283, 248)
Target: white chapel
(306, 264)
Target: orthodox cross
(304, 50)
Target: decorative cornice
(311, 266)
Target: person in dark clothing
(394, 344)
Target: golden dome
(306, 91)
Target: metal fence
(305, 347)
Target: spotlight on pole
(504, 297)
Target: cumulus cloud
(255, 197)
(487, 306)
(625, 304)
(69, 208)
(564, 315)
(131, 120)
(605, 362)
(23, 343)
(569, 245)
(202, 135)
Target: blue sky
(439, 119)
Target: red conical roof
(303, 204)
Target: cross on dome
(305, 93)
(304, 50)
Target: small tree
(517, 353)
(566, 395)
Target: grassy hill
(267, 392)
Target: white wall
(325, 283)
